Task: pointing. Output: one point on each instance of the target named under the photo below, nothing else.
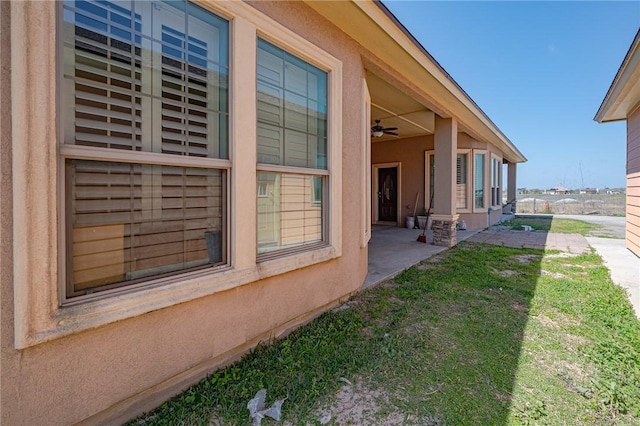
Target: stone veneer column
(444, 201)
(444, 230)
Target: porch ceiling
(386, 42)
(396, 109)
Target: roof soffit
(623, 96)
(366, 23)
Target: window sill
(164, 293)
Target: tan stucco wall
(108, 368)
(633, 182)
(409, 153)
(6, 222)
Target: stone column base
(444, 230)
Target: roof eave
(611, 108)
(375, 16)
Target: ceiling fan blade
(391, 133)
(389, 128)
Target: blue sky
(539, 70)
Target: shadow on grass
(469, 310)
(477, 335)
(439, 345)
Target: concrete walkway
(623, 265)
(393, 249)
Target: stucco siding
(410, 154)
(118, 370)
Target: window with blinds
(496, 176)
(292, 136)
(461, 181)
(147, 80)
(478, 181)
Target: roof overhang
(378, 31)
(623, 96)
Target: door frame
(374, 191)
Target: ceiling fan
(378, 131)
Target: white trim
(498, 160)
(79, 152)
(469, 184)
(275, 168)
(366, 165)
(374, 190)
(427, 178)
(485, 183)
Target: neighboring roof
(375, 27)
(623, 96)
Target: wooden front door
(388, 194)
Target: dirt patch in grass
(556, 275)
(505, 273)
(360, 404)
(526, 259)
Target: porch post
(511, 185)
(444, 200)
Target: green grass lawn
(556, 225)
(479, 335)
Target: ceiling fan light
(377, 133)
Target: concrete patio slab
(393, 249)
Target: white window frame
(469, 186)
(496, 180)
(427, 179)
(366, 166)
(485, 185)
(38, 205)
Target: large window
(478, 181)
(463, 182)
(462, 167)
(496, 178)
(146, 148)
(292, 151)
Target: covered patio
(393, 249)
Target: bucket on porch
(424, 220)
(409, 222)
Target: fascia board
(623, 95)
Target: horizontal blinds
(153, 80)
(461, 181)
(130, 221)
(478, 182)
(107, 78)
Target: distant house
(622, 102)
(184, 180)
(591, 191)
(557, 191)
